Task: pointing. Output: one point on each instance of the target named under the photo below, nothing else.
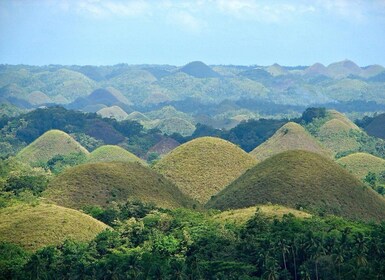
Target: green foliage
(189, 245)
(120, 212)
(312, 113)
(36, 184)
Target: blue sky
(243, 32)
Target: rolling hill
(302, 179)
(114, 112)
(104, 182)
(241, 216)
(198, 69)
(34, 227)
(204, 166)
(291, 136)
(51, 143)
(109, 153)
(360, 164)
(175, 125)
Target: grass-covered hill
(291, 136)
(360, 164)
(114, 112)
(302, 179)
(52, 143)
(109, 153)
(36, 226)
(102, 183)
(241, 216)
(204, 166)
(198, 69)
(175, 125)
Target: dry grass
(34, 227)
(51, 143)
(302, 179)
(109, 153)
(291, 136)
(204, 166)
(240, 216)
(105, 182)
(360, 164)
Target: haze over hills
(302, 179)
(204, 166)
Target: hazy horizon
(217, 32)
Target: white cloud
(263, 11)
(187, 21)
(108, 8)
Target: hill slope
(51, 143)
(104, 182)
(291, 136)
(300, 178)
(360, 164)
(240, 216)
(34, 227)
(204, 166)
(114, 112)
(108, 153)
(198, 69)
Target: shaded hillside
(376, 126)
(360, 164)
(109, 153)
(204, 166)
(51, 143)
(37, 226)
(105, 182)
(163, 147)
(291, 136)
(198, 69)
(302, 179)
(106, 96)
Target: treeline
(182, 244)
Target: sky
(239, 32)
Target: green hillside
(291, 136)
(241, 216)
(34, 227)
(51, 143)
(104, 182)
(114, 112)
(360, 164)
(108, 153)
(204, 166)
(302, 179)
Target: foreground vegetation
(182, 244)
